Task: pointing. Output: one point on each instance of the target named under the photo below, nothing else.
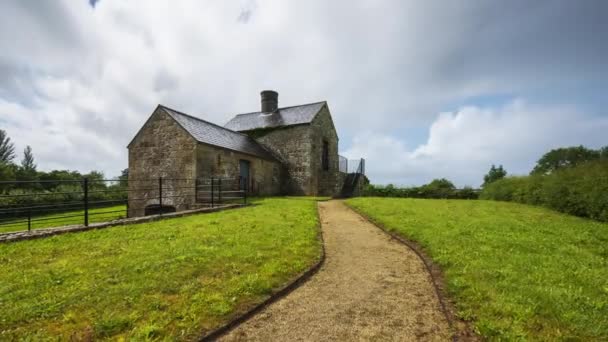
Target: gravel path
(370, 288)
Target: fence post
(86, 201)
(219, 191)
(245, 191)
(29, 220)
(160, 196)
(212, 194)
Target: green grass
(168, 279)
(58, 219)
(519, 272)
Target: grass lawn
(60, 219)
(168, 279)
(519, 272)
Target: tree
(494, 174)
(27, 170)
(604, 153)
(7, 148)
(440, 183)
(53, 179)
(7, 173)
(438, 188)
(124, 178)
(27, 163)
(96, 179)
(563, 158)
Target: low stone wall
(46, 232)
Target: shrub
(581, 190)
(439, 188)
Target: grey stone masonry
(280, 151)
(162, 148)
(324, 132)
(265, 176)
(300, 147)
(293, 145)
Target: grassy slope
(167, 279)
(517, 271)
(57, 219)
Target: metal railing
(342, 164)
(27, 205)
(351, 166)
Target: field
(519, 272)
(65, 218)
(169, 279)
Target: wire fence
(27, 205)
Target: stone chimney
(270, 101)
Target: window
(325, 156)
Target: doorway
(244, 173)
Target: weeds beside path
(369, 288)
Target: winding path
(369, 288)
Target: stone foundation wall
(161, 149)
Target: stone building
(276, 151)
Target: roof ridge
(199, 119)
(301, 105)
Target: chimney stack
(270, 101)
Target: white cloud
(77, 82)
(463, 144)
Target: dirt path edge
(296, 282)
(461, 329)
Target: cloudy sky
(421, 89)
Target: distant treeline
(438, 188)
(23, 184)
(573, 180)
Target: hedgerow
(580, 190)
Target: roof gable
(211, 134)
(288, 116)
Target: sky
(420, 89)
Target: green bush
(436, 189)
(581, 190)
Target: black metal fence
(351, 166)
(26, 205)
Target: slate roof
(212, 134)
(287, 116)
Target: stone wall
(265, 175)
(327, 181)
(293, 145)
(162, 148)
(301, 149)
